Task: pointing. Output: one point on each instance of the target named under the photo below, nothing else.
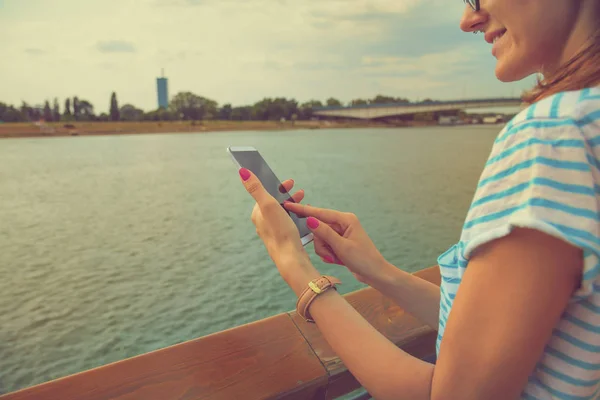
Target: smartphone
(250, 158)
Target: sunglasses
(474, 4)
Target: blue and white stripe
(544, 173)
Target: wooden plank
(401, 328)
(262, 360)
(281, 357)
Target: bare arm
(347, 243)
(495, 309)
(416, 296)
(473, 361)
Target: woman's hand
(340, 239)
(279, 233)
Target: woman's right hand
(339, 238)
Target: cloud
(360, 10)
(438, 64)
(115, 46)
(106, 65)
(34, 51)
(239, 51)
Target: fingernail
(312, 223)
(245, 174)
(328, 259)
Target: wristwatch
(315, 288)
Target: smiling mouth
(492, 37)
(498, 37)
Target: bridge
(373, 111)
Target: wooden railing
(281, 357)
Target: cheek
(516, 59)
(543, 28)
(526, 52)
(538, 52)
(536, 34)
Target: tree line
(185, 106)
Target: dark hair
(580, 72)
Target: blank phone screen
(253, 161)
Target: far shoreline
(63, 129)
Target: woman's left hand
(278, 232)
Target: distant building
(451, 120)
(162, 90)
(498, 119)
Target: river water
(114, 246)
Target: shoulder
(564, 126)
(576, 112)
(544, 173)
(575, 104)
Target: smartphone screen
(252, 160)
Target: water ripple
(115, 246)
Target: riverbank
(22, 130)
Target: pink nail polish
(245, 174)
(312, 223)
(328, 259)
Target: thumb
(326, 234)
(254, 186)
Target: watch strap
(315, 288)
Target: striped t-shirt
(544, 173)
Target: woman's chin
(510, 72)
(503, 74)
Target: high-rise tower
(162, 90)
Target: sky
(240, 51)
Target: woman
(522, 283)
